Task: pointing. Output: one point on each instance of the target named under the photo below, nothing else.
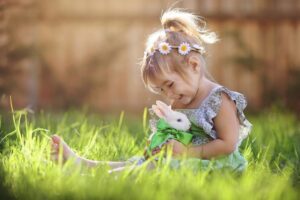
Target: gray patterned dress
(203, 117)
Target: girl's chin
(185, 100)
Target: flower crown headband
(183, 49)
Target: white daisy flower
(184, 48)
(164, 48)
(199, 48)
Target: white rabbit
(176, 120)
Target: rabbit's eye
(179, 120)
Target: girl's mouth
(183, 99)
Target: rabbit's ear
(163, 106)
(159, 112)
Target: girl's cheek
(176, 90)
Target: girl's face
(176, 88)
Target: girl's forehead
(156, 81)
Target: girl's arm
(227, 127)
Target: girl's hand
(178, 149)
(156, 151)
(153, 152)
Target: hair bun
(181, 21)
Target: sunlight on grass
(272, 151)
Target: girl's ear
(195, 63)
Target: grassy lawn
(27, 172)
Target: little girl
(174, 66)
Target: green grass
(27, 172)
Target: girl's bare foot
(57, 145)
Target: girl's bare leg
(150, 166)
(94, 163)
(68, 153)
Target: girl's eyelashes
(171, 84)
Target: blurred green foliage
(272, 150)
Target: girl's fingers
(156, 151)
(170, 141)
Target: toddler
(174, 66)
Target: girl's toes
(56, 139)
(54, 147)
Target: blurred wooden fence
(62, 53)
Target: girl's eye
(161, 90)
(170, 85)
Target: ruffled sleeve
(210, 107)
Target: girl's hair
(178, 27)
